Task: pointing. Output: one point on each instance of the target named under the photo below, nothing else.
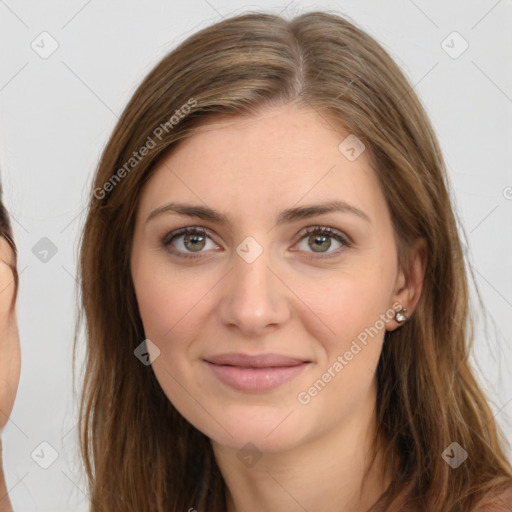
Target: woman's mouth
(256, 373)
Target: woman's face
(267, 332)
(10, 355)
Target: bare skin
(10, 362)
(5, 503)
(288, 301)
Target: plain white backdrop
(67, 70)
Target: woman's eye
(316, 241)
(187, 241)
(319, 240)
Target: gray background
(57, 113)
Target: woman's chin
(255, 442)
(266, 434)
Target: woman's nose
(254, 297)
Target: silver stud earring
(400, 315)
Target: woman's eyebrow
(286, 216)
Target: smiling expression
(288, 255)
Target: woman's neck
(326, 473)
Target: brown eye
(184, 242)
(194, 242)
(319, 240)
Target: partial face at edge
(257, 286)
(10, 352)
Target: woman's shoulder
(497, 501)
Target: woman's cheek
(165, 297)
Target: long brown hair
(139, 452)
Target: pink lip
(255, 373)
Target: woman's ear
(409, 281)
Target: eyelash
(314, 230)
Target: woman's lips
(255, 373)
